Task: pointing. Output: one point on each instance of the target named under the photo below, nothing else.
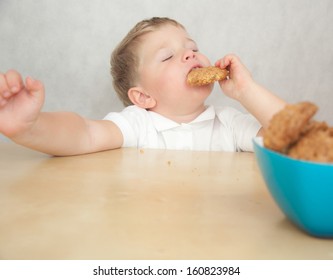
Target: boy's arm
(260, 102)
(60, 133)
(67, 133)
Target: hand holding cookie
(240, 79)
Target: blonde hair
(124, 58)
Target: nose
(188, 54)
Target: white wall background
(286, 44)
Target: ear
(140, 98)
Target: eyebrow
(162, 46)
(191, 40)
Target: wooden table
(143, 204)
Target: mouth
(197, 66)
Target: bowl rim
(259, 142)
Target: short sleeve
(131, 122)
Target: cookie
(206, 75)
(287, 125)
(315, 145)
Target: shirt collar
(162, 123)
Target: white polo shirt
(216, 129)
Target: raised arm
(58, 133)
(260, 102)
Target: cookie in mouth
(206, 75)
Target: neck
(185, 117)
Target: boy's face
(167, 55)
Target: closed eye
(169, 57)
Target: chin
(204, 90)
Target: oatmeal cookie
(287, 125)
(315, 145)
(206, 75)
(292, 132)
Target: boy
(149, 69)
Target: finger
(218, 63)
(226, 61)
(35, 87)
(14, 81)
(4, 89)
(3, 102)
(230, 60)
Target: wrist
(247, 93)
(25, 134)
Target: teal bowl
(302, 189)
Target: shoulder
(132, 121)
(235, 119)
(226, 110)
(133, 115)
(128, 111)
(228, 114)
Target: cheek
(149, 80)
(204, 59)
(164, 80)
(156, 85)
(168, 80)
